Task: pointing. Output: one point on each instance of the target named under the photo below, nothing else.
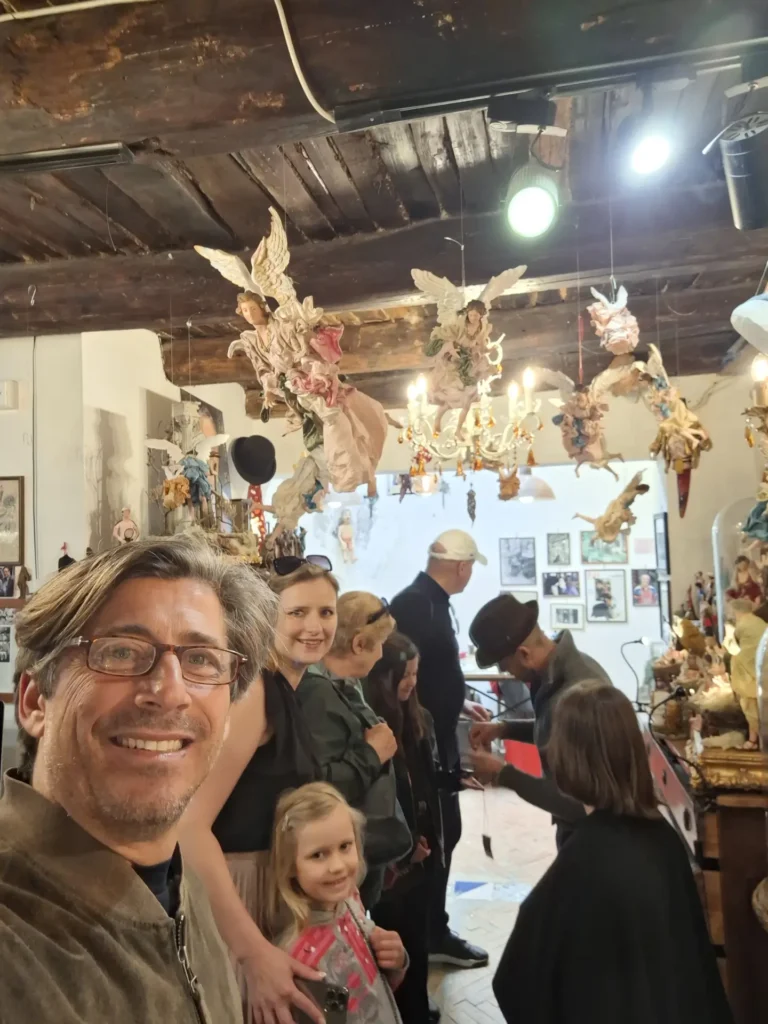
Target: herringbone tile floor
(523, 849)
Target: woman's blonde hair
(280, 584)
(295, 810)
(354, 610)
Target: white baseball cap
(458, 546)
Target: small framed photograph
(517, 557)
(567, 616)
(645, 588)
(661, 538)
(12, 520)
(561, 584)
(595, 551)
(558, 549)
(8, 580)
(606, 593)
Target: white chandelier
(480, 443)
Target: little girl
(317, 865)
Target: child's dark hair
(405, 718)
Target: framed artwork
(665, 604)
(595, 551)
(606, 591)
(661, 537)
(567, 616)
(558, 549)
(12, 520)
(517, 558)
(8, 580)
(561, 584)
(645, 588)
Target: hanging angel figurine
(295, 358)
(460, 345)
(614, 325)
(611, 523)
(580, 419)
(681, 437)
(188, 460)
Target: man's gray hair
(61, 610)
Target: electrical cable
(79, 5)
(677, 694)
(292, 53)
(34, 457)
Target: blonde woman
(269, 749)
(353, 746)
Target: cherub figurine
(581, 415)
(345, 534)
(125, 529)
(460, 345)
(614, 325)
(296, 358)
(745, 583)
(681, 437)
(610, 524)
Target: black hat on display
(254, 458)
(500, 627)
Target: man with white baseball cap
(423, 612)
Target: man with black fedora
(506, 633)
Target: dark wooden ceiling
(205, 94)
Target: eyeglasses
(287, 564)
(127, 656)
(384, 610)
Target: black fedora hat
(254, 458)
(500, 627)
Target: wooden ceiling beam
(215, 77)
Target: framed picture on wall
(561, 584)
(645, 588)
(559, 548)
(595, 551)
(517, 557)
(12, 520)
(567, 616)
(606, 593)
(661, 537)
(523, 596)
(665, 605)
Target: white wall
(392, 546)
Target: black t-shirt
(162, 880)
(423, 613)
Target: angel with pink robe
(460, 347)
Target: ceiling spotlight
(744, 149)
(533, 201)
(651, 152)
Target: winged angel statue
(619, 513)
(295, 358)
(460, 346)
(580, 419)
(187, 473)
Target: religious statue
(295, 358)
(460, 345)
(619, 513)
(614, 325)
(580, 419)
(746, 582)
(748, 633)
(345, 534)
(681, 437)
(125, 529)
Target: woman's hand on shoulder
(272, 990)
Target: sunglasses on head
(287, 564)
(384, 610)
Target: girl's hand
(421, 851)
(272, 991)
(389, 949)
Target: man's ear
(30, 706)
(358, 644)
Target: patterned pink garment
(336, 943)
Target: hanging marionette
(614, 325)
(472, 504)
(619, 513)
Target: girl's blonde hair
(354, 610)
(296, 809)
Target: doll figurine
(125, 529)
(345, 534)
(748, 633)
(745, 583)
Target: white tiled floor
(523, 848)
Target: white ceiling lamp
(533, 488)
(533, 200)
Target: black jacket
(567, 667)
(423, 613)
(614, 933)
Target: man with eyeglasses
(127, 667)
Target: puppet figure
(580, 418)
(745, 583)
(295, 358)
(345, 534)
(681, 437)
(301, 493)
(748, 634)
(610, 524)
(460, 345)
(125, 529)
(189, 455)
(509, 484)
(614, 325)
(23, 579)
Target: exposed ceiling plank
(276, 174)
(326, 160)
(63, 233)
(398, 151)
(233, 193)
(369, 173)
(472, 154)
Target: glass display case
(727, 544)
